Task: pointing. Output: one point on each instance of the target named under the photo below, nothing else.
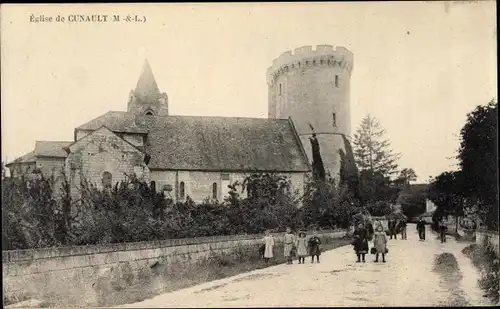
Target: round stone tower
(312, 87)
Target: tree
(349, 174)
(376, 162)
(317, 163)
(407, 175)
(371, 150)
(478, 155)
(446, 192)
(412, 200)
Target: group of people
(396, 227)
(363, 234)
(299, 246)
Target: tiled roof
(51, 148)
(224, 143)
(116, 122)
(212, 143)
(27, 158)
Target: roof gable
(103, 134)
(116, 122)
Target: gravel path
(407, 279)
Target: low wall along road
(70, 274)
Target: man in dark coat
(442, 230)
(392, 228)
(421, 229)
(403, 229)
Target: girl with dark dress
(314, 249)
(360, 243)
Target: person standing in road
(301, 247)
(314, 249)
(289, 241)
(421, 229)
(392, 228)
(269, 244)
(442, 230)
(380, 243)
(403, 229)
(360, 243)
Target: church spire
(146, 88)
(146, 99)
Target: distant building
(430, 206)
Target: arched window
(149, 113)
(107, 179)
(336, 81)
(214, 191)
(153, 186)
(182, 190)
(334, 120)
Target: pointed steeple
(146, 88)
(146, 99)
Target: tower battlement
(306, 56)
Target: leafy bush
(131, 211)
(485, 259)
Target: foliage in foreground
(131, 211)
(485, 259)
(473, 189)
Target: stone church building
(199, 156)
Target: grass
(177, 276)
(446, 265)
(485, 259)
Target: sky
(419, 67)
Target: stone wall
(103, 151)
(73, 275)
(312, 87)
(50, 166)
(488, 237)
(199, 185)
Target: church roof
(212, 143)
(116, 122)
(51, 149)
(27, 158)
(146, 88)
(43, 149)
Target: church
(192, 155)
(200, 156)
